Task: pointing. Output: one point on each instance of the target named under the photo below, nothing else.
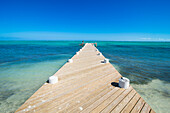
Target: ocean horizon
(26, 65)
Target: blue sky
(116, 20)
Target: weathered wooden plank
(116, 101)
(69, 83)
(146, 108)
(87, 98)
(124, 102)
(131, 104)
(86, 103)
(152, 111)
(88, 87)
(138, 106)
(69, 92)
(116, 92)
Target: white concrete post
(70, 61)
(106, 60)
(124, 82)
(53, 79)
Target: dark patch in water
(6, 94)
(142, 63)
(34, 53)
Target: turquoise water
(26, 65)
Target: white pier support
(53, 79)
(106, 60)
(124, 82)
(70, 61)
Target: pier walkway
(86, 85)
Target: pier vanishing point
(86, 85)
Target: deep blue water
(144, 61)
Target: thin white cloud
(155, 39)
(86, 36)
(146, 38)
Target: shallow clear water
(26, 65)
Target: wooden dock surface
(86, 85)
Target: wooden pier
(86, 85)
